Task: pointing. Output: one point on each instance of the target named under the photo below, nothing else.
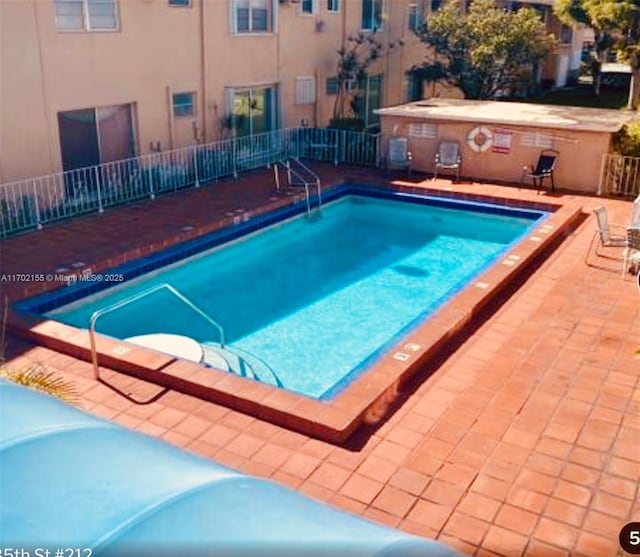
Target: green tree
(486, 51)
(616, 24)
(354, 58)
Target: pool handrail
(295, 178)
(108, 309)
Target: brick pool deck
(524, 441)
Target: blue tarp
(73, 481)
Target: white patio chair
(400, 157)
(633, 246)
(607, 235)
(448, 157)
(609, 238)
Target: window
(308, 7)
(180, 3)
(370, 100)
(305, 90)
(416, 16)
(333, 6)
(184, 104)
(536, 139)
(423, 131)
(253, 110)
(566, 34)
(372, 14)
(86, 15)
(413, 86)
(332, 86)
(253, 16)
(434, 6)
(96, 135)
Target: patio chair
(544, 168)
(633, 245)
(606, 238)
(448, 157)
(400, 158)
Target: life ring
(480, 139)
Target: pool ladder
(113, 307)
(245, 361)
(300, 175)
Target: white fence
(619, 176)
(30, 204)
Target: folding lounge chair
(544, 168)
(448, 157)
(604, 235)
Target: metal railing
(102, 311)
(30, 204)
(619, 175)
(299, 174)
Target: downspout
(203, 72)
(172, 134)
(43, 91)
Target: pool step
(240, 362)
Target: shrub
(627, 140)
(349, 124)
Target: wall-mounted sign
(502, 141)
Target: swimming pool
(311, 303)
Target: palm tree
(34, 377)
(39, 379)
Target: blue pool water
(318, 299)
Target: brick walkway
(524, 442)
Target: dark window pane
(242, 19)
(102, 14)
(259, 19)
(367, 14)
(183, 104)
(332, 86)
(69, 14)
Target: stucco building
(85, 82)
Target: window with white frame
(423, 130)
(536, 139)
(332, 85)
(309, 7)
(372, 14)
(180, 3)
(415, 16)
(86, 15)
(305, 90)
(184, 104)
(252, 16)
(333, 6)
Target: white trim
(383, 13)
(272, 18)
(86, 21)
(314, 8)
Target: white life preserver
(480, 139)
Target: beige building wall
(159, 50)
(578, 167)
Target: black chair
(545, 167)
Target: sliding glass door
(254, 110)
